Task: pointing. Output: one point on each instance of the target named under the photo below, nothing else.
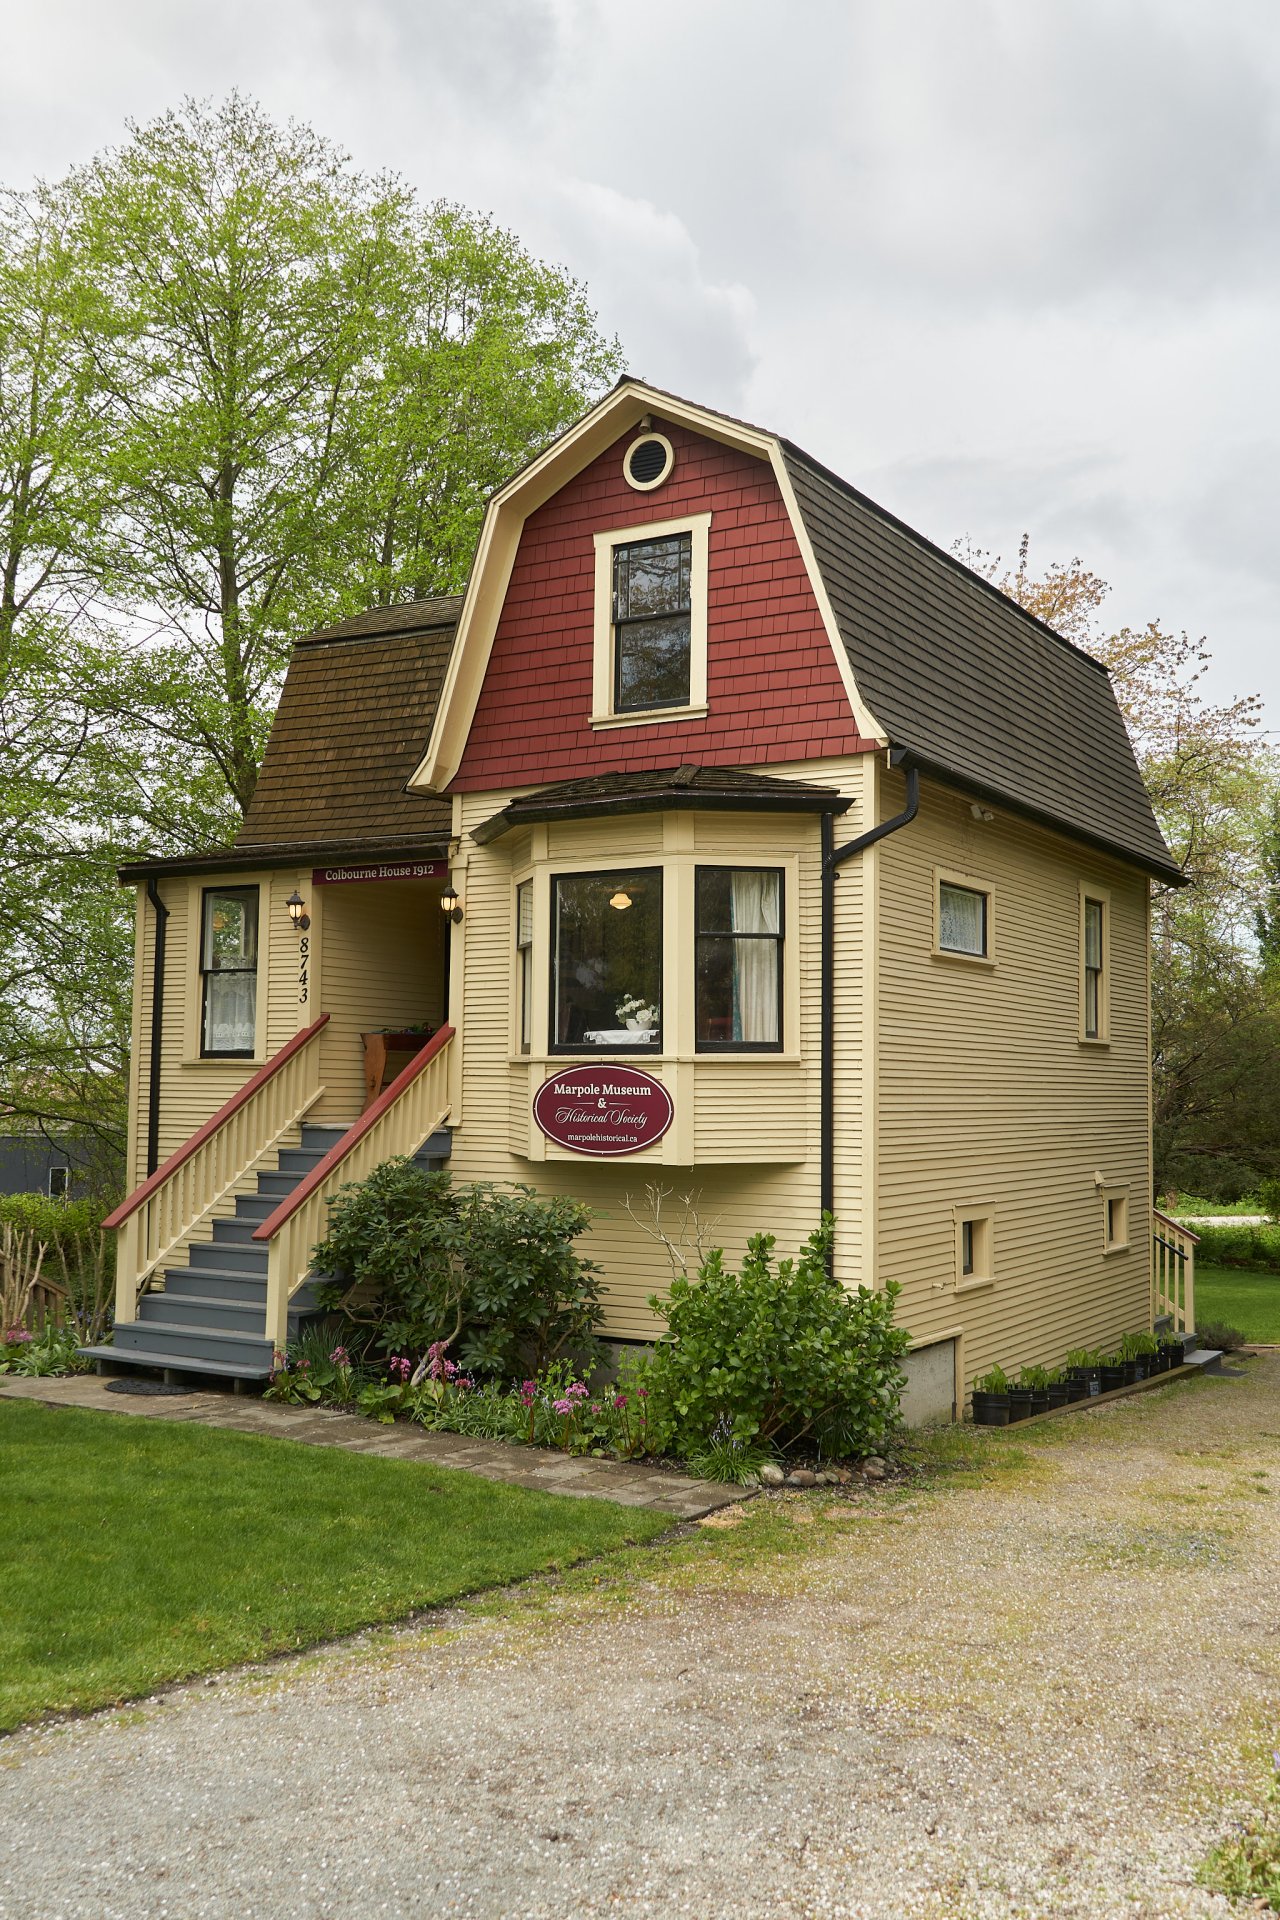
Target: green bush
(1216, 1333)
(777, 1354)
(1269, 1200)
(57, 1223)
(1242, 1244)
(420, 1261)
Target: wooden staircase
(213, 1274)
(209, 1315)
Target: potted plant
(1062, 1391)
(636, 1014)
(1084, 1366)
(1112, 1373)
(1035, 1380)
(1136, 1351)
(991, 1399)
(1172, 1350)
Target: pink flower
(339, 1357)
(643, 1392)
(562, 1406)
(620, 1400)
(576, 1391)
(529, 1392)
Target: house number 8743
(304, 964)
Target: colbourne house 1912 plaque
(603, 1110)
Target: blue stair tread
(175, 1363)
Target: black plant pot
(1112, 1378)
(1173, 1353)
(1088, 1379)
(1134, 1370)
(1040, 1401)
(1061, 1392)
(990, 1409)
(1020, 1404)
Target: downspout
(833, 858)
(157, 1027)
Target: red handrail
(157, 1179)
(353, 1136)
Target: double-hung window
(738, 962)
(229, 972)
(1093, 956)
(606, 961)
(524, 961)
(651, 623)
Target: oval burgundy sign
(603, 1110)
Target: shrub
(1216, 1333)
(1242, 1244)
(44, 1354)
(421, 1262)
(782, 1353)
(1269, 1200)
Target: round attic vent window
(649, 460)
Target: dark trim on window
(583, 1048)
(617, 625)
(778, 938)
(206, 973)
(978, 893)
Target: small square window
(963, 917)
(974, 1257)
(59, 1182)
(1116, 1220)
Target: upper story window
(738, 970)
(1094, 982)
(650, 645)
(964, 920)
(229, 971)
(606, 961)
(651, 623)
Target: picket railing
(1173, 1272)
(400, 1120)
(159, 1215)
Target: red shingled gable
(773, 690)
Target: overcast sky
(1004, 264)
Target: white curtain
(962, 914)
(230, 1009)
(754, 908)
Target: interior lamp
(620, 899)
(298, 911)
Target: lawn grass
(140, 1552)
(1250, 1301)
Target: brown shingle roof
(715, 789)
(353, 719)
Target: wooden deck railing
(398, 1122)
(1173, 1272)
(157, 1217)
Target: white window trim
(948, 876)
(1108, 1194)
(1102, 1038)
(698, 526)
(678, 958)
(986, 1216)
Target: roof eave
(669, 800)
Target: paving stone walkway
(631, 1484)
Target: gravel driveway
(1040, 1694)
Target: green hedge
(1240, 1245)
(59, 1223)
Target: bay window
(229, 972)
(738, 961)
(606, 961)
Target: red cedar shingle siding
(773, 690)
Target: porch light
(620, 899)
(298, 911)
(450, 905)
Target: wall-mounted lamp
(450, 905)
(980, 812)
(621, 899)
(298, 911)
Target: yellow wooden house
(725, 838)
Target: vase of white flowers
(637, 1015)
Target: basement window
(975, 1228)
(229, 972)
(1115, 1221)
